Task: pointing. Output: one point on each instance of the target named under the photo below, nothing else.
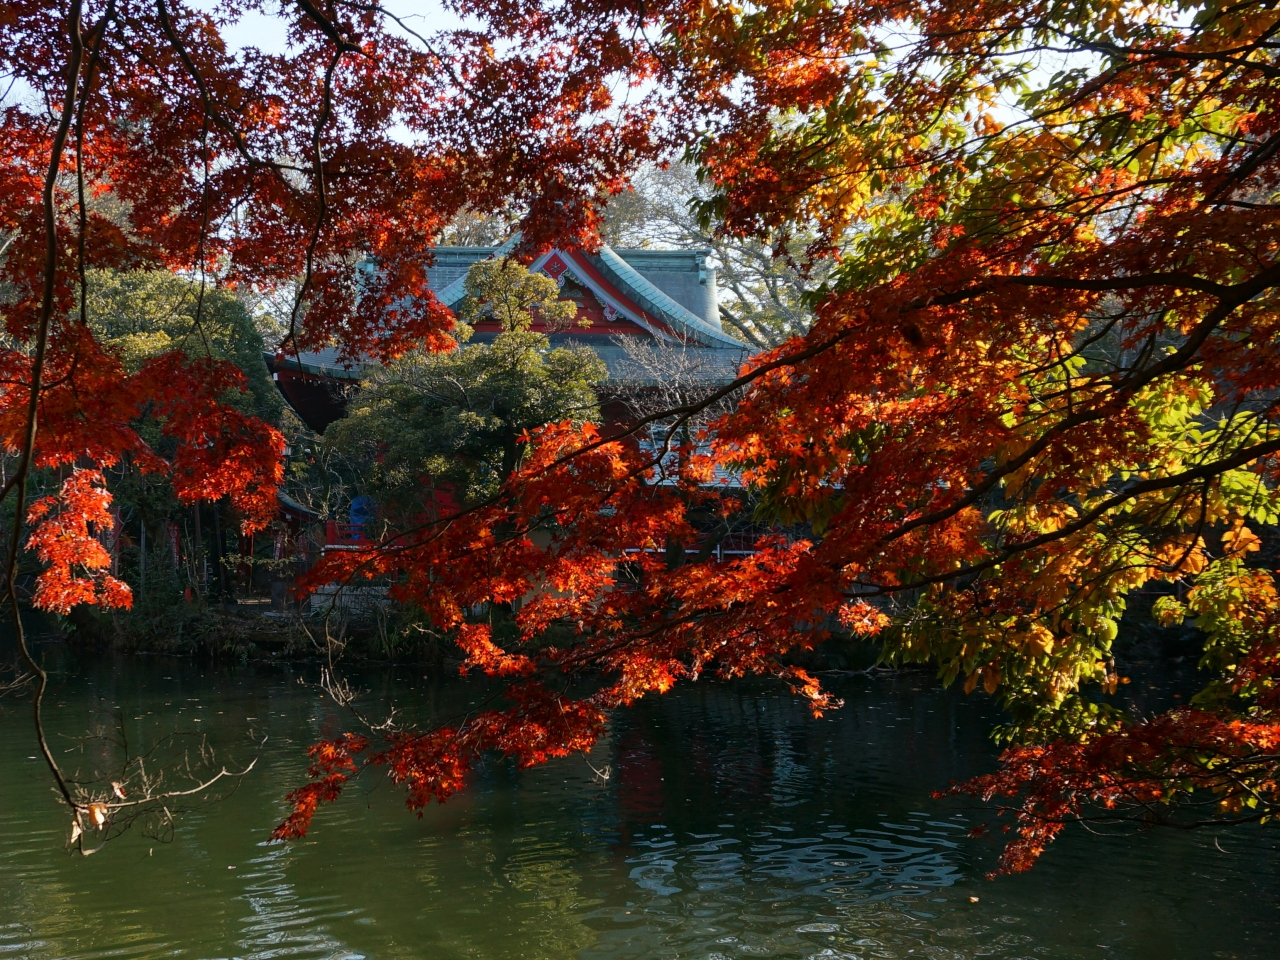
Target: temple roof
(666, 298)
(668, 293)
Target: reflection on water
(731, 826)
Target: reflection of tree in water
(715, 751)
(36, 901)
(704, 852)
(554, 900)
(483, 892)
(747, 827)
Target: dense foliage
(456, 423)
(1041, 380)
(1042, 374)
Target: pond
(730, 825)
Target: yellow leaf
(1240, 540)
(990, 679)
(1039, 640)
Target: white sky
(267, 32)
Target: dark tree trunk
(198, 545)
(219, 552)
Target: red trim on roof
(583, 264)
(555, 266)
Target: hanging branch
(18, 482)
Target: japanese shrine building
(660, 295)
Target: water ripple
(735, 826)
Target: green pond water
(731, 825)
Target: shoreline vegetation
(254, 629)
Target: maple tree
(1040, 377)
(135, 138)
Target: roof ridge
(456, 290)
(662, 300)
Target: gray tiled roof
(677, 284)
(685, 276)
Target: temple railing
(344, 536)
